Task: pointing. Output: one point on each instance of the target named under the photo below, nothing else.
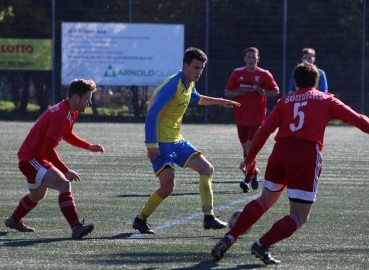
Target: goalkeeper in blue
(166, 146)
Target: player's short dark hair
(251, 49)
(306, 75)
(308, 51)
(81, 87)
(192, 53)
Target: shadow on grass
(236, 190)
(148, 195)
(213, 264)
(31, 242)
(158, 260)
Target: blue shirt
(321, 86)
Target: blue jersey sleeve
(162, 97)
(323, 84)
(195, 96)
(292, 84)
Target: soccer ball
(233, 218)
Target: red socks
(249, 215)
(68, 208)
(24, 207)
(280, 230)
(252, 170)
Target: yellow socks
(153, 202)
(206, 193)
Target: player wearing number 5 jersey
(295, 162)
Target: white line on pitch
(195, 216)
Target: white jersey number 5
(300, 114)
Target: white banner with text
(121, 53)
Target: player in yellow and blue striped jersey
(165, 144)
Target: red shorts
(296, 164)
(34, 170)
(246, 133)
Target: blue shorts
(179, 153)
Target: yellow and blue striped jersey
(167, 106)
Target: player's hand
(153, 152)
(245, 167)
(260, 90)
(72, 176)
(96, 148)
(248, 166)
(229, 103)
(241, 91)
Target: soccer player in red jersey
(250, 85)
(41, 164)
(295, 162)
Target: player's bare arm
(72, 176)
(270, 93)
(219, 101)
(232, 94)
(96, 148)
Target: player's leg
(252, 173)
(34, 171)
(55, 179)
(245, 135)
(302, 161)
(163, 167)
(272, 189)
(281, 229)
(251, 213)
(167, 183)
(242, 136)
(204, 168)
(26, 204)
(287, 225)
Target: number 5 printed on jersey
(300, 114)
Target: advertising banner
(121, 53)
(25, 54)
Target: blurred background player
(308, 55)
(295, 162)
(166, 146)
(41, 164)
(250, 85)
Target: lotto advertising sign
(121, 53)
(25, 54)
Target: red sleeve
(344, 113)
(232, 82)
(360, 121)
(76, 141)
(261, 136)
(270, 82)
(51, 154)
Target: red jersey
(253, 106)
(306, 113)
(55, 123)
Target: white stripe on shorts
(40, 174)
